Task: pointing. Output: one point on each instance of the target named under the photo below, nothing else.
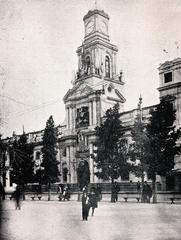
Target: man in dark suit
(85, 206)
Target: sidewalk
(46, 220)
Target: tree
(21, 158)
(163, 137)
(111, 154)
(138, 149)
(3, 148)
(49, 150)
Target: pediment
(166, 64)
(79, 90)
(170, 64)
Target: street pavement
(43, 220)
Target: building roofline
(144, 108)
(96, 11)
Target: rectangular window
(168, 77)
(82, 119)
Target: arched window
(107, 67)
(65, 172)
(88, 65)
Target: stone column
(68, 164)
(67, 117)
(73, 117)
(94, 112)
(90, 113)
(98, 112)
(70, 117)
(72, 167)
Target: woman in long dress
(93, 200)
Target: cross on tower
(97, 4)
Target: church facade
(97, 87)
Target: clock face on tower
(89, 27)
(103, 27)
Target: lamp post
(140, 120)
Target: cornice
(170, 64)
(69, 137)
(96, 35)
(70, 105)
(96, 11)
(113, 80)
(97, 41)
(170, 86)
(76, 98)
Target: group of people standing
(64, 192)
(89, 200)
(144, 189)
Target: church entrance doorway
(83, 174)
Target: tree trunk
(23, 192)
(142, 183)
(112, 182)
(154, 189)
(49, 191)
(79, 193)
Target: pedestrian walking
(60, 192)
(149, 192)
(64, 193)
(99, 192)
(68, 192)
(2, 192)
(93, 200)
(85, 206)
(144, 192)
(114, 192)
(17, 197)
(138, 187)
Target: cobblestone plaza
(55, 220)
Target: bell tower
(96, 55)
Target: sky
(38, 60)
